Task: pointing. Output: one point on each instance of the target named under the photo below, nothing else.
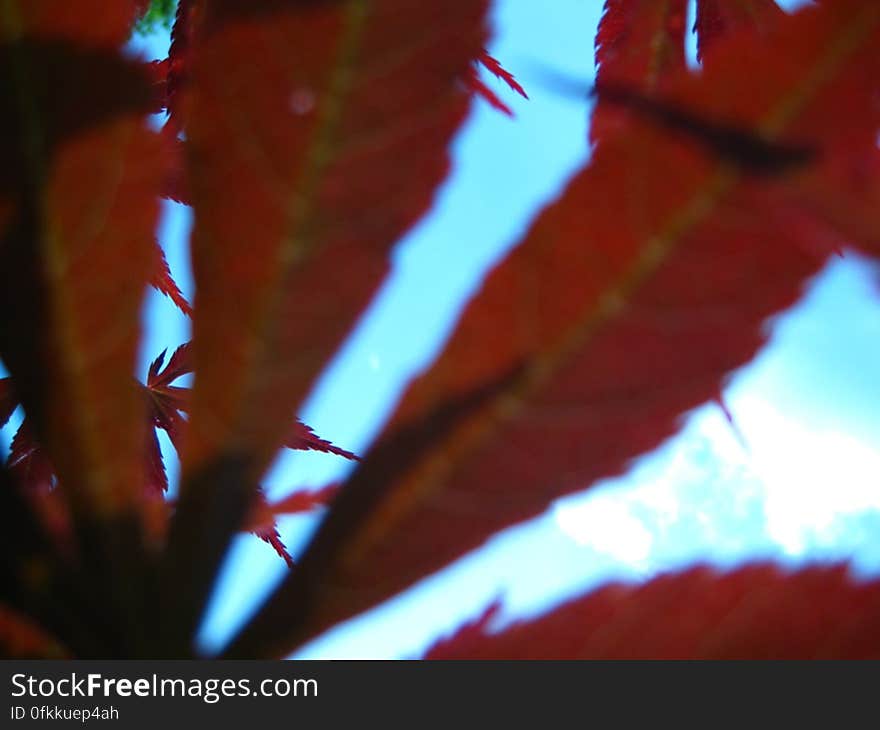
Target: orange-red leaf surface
(317, 134)
(625, 305)
(78, 190)
(756, 612)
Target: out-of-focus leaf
(265, 513)
(756, 612)
(80, 175)
(719, 18)
(94, 23)
(41, 583)
(640, 45)
(79, 181)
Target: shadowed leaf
(77, 114)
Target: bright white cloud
(812, 479)
(772, 481)
(608, 526)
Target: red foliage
(475, 84)
(757, 612)
(308, 137)
(263, 515)
(70, 352)
(300, 172)
(638, 45)
(166, 405)
(164, 282)
(718, 18)
(571, 317)
(496, 69)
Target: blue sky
(795, 482)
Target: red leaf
(757, 612)
(94, 23)
(302, 437)
(264, 514)
(639, 45)
(164, 282)
(31, 469)
(625, 305)
(719, 18)
(176, 185)
(296, 205)
(158, 73)
(156, 477)
(497, 70)
(475, 84)
(304, 500)
(180, 364)
(639, 41)
(271, 536)
(79, 183)
(179, 61)
(168, 400)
